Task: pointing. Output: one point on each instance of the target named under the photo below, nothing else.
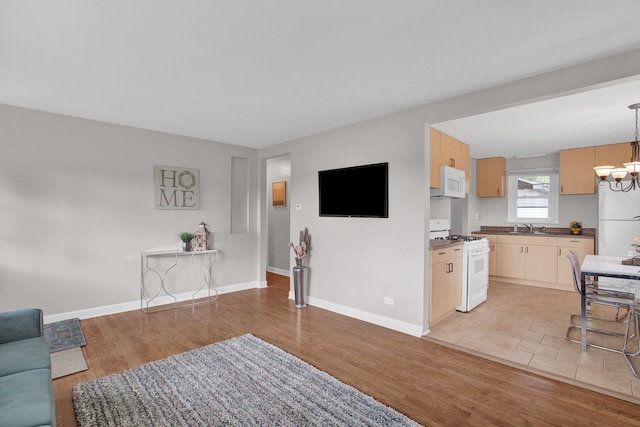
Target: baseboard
(279, 271)
(136, 305)
(376, 319)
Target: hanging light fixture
(632, 167)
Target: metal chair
(612, 298)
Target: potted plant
(186, 238)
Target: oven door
(477, 277)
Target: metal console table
(210, 258)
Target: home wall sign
(176, 187)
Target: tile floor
(524, 326)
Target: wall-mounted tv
(359, 191)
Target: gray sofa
(26, 389)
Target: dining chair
(594, 295)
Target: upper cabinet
(447, 151)
(613, 154)
(576, 171)
(490, 177)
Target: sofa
(26, 389)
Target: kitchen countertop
(435, 244)
(587, 233)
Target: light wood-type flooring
(431, 383)
(526, 325)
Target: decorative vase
(298, 283)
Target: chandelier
(632, 167)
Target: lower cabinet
(445, 290)
(539, 260)
(582, 247)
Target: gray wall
(77, 208)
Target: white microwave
(451, 183)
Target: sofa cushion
(24, 355)
(21, 324)
(27, 399)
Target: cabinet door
(582, 247)
(613, 154)
(541, 263)
(463, 162)
(511, 260)
(434, 159)
(576, 171)
(455, 282)
(449, 151)
(493, 259)
(490, 177)
(438, 303)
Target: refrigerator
(616, 225)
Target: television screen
(360, 191)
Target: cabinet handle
(527, 251)
(450, 267)
(562, 189)
(559, 251)
(521, 249)
(453, 163)
(441, 253)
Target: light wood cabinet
(445, 290)
(527, 257)
(576, 171)
(539, 260)
(613, 154)
(490, 177)
(447, 151)
(492, 255)
(582, 247)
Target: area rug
(65, 339)
(242, 381)
(64, 335)
(67, 362)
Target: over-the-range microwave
(451, 183)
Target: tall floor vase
(298, 283)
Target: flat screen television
(359, 191)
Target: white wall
(77, 208)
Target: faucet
(529, 227)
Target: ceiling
(256, 73)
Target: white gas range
(475, 263)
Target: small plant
(187, 237)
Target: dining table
(602, 266)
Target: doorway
(278, 215)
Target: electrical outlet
(388, 300)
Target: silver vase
(298, 283)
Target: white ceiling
(256, 72)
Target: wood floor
(431, 384)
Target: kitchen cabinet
(490, 177)
(576, 171)
(527, 257)
(582, 247)
(491, 239)
(445, 290)
(447, 151)
(613, 154)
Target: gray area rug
(64, 335)
(242, 381)
(67, 362)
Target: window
(533, 196)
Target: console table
(203, 259)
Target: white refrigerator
(616, 225)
